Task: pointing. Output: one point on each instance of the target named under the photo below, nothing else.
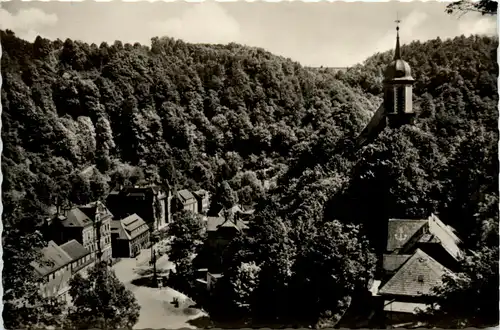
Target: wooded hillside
(200, 115)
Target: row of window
(69, 267)
(139, 229)
(90, 233)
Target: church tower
(397, 108)
(398, 84)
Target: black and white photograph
(249, 164)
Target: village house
(82, 258)
(185, 200)
(58, 265)
(152, 203)
(220, 232)
(89, 224)
(418, 254)
(203, 200)
(129, 236)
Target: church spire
(397, 53)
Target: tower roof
(398, 69)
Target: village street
(157, 311)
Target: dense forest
(207, 116)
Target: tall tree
(188, 234)
(470, 297)
(24, 307)
(335, 265)
(101, 301)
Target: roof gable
(82, 216)
(133, 222)
(185, 195)
(127, 228)
(76, 218)
(392, 262)
(91, 209)
(401, 231)
(416, 277)
(446, 236)
(213, 223)
(201, 193)
(53, 257)
(74, 249)
(117, 228)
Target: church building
(397, 108)
(418, 252)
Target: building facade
(418, 254)
(185, 200)
(89, 224)
(151, 203)
(129, 236)
(203, 200)
(220, 232)
(58, 265)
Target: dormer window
(420, 279)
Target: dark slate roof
(417, 276)
(400, 231)
(89, 210)
(75, 250)
(116, 228)
(238, 225)
(213, 223)
(125, 228)
(201, 193)
(392, 262)
(185, 195)
(54, 257)
(81, 216)
(375, 123)
(133, 222)
(76, 218)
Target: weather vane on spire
(397, 52)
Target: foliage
(225, 196)
(485, 7)
(228, 118)
(245, 283)
(469, 298)
(277, 259)
(100, 300)
(23, 305)
(188, 234)
(433, 165)
(333, 265)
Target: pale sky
(315, 34)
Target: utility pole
(153, 256)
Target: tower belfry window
(400, 99)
